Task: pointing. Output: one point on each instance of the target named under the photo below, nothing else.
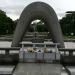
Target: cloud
(60, 15)
(13, 8)
(13, 16)
(13, 11)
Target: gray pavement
(6, 70)
(38, 69)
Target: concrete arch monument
(38, 10)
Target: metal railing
(65, 50)
(7, 49)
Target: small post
(7, 52)
(70, 53)
(34, 45)
(45, 45)
(56, 46)
(64, 52)
(22, 45)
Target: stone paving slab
(4, 70)
(71, 69)
(38, 69)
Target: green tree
(68, 24)
(6, 24)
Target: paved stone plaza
(38, 69)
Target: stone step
(6, 70)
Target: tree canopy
(68, 24)
(7, 26)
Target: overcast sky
(13, 8)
